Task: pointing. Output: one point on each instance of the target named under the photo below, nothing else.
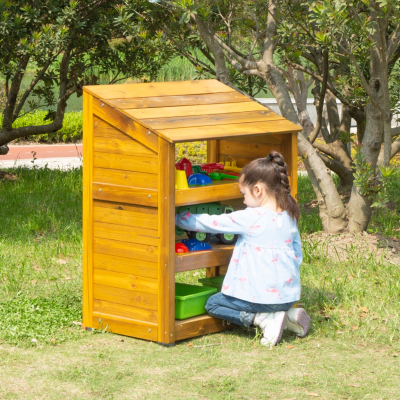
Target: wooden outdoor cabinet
(129, 195)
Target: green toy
(219, 175)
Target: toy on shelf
(196, 245)
(181, 181)
(230, 165)
(180, 248)
(218, 176)
(215, 208)
(210, 167)
(185, 165)
(199, 180)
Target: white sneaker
(271, 325)
(297, 321)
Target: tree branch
(320, 105)
(396, 131)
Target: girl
(263, 279)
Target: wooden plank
(252, 150)
(262, 139)
(126, 233)
(111, 140)
(125, 178)
(104, 308)
(87, 231)
(125, 281)
(212, 119)
(125, 194)
(126, 163)
(124, 217)
(125, 326)
(130, 298)
(126, 207)
(182, 111)
(219, 255)
(166, 227)
(125, 124)
(215, 192)
(151, 89)
(125, 265)
(196, 326)
(178, 100)
(126, 249)
(223, 131)
(212, 151)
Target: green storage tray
(215, 282)
(190, 300)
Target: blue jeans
(238, 311)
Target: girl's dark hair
(272, 172)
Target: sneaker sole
(302, 319)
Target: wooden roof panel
(151, 89)
(224, 131)
(183, 111)
(179, 100)
(212, 119)
(189, 110)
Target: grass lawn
(351, 352)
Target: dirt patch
(6, 176)
(346, 245)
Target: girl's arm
(297, 247)
(237, 222)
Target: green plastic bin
(190, 300)
(215, 282)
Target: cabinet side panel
(289, 152)
(87, 217)
(166, 208)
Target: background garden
(350, 277)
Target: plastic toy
(181, 180)
(207, 208)
(210, 167)
(196, 245)
(218, 176)
(185, 165)
(199, 180)
(180, 248)
(229, 172)
(230, 165)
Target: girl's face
(251, 198)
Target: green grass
(350, 352)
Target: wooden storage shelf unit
(129, 195)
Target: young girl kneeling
(263, 279)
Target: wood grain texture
(125, 178)
(127, 163)
(178, 100)
(152, 89)
(87, 212)
(183, 111)
(126, 249)
(124, 233)
(130, 298)
(219, 255)
(212, 119)
(125, 194)
(224, 131)
(215, 192)
(125, 326)
(202, 325)
(124, 217)
(125, 265)
(261, 139)
(105, 308)
(110, 140)
(125, 281)
(245, 149)
(126, 207)
(166, 227)
(125, 124)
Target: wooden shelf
(201, 325)
(219, 190)
(219, 255)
